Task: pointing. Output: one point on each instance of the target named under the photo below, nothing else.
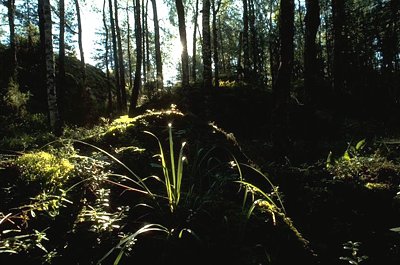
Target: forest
(200, 132)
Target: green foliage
(100, 216)
(95, 189)
(173, 172)
(13, 243)
(24, 132)
(49, 171)
(229, 84)
(266, 202)
(373, 170)
(15, 99)
(48, 203)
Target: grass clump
(174, 172)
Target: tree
(107, 48)
(137, 81)
(13, 45)
(312, 21)
(182, 33)
(54, 118)
(215, 10)
(121, 61)
(80, 43)
(160, 78)
(207, 71)
(253, 48)
(115, 57)
(61, 57)
(339, 38)
(144, 52)
(128, 36)
(283, 81)
(194, 51)
(286, 33)
(245, 42)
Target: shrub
(373, 170)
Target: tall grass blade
(180, 173)
(123, 243)
(140, 181)
(171, 153)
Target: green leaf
(395, 229)
(346, 156)
(360, 145)
(329, 160)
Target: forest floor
(332, 198)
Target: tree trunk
(239, 65)
(41, 26)
(148, 65)
(182, 33)
(129, 45)
(246, 53)
(215, 9)
(221, 45)
(194, 51)
(121, 61)
(29, 25)
(144, 44)
(137, 81)
(339, 61)
(109, 92)
(80, 43)
(286, 34)
(61, 59)
(115, 57)
(160, 78)
(13, 45)
(270, 46)
(312, 22)
(54, 118)
(395, 5)
(207, 73)
(253, 33)
(283, 82)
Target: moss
(377, 186)
(44, 168)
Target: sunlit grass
(173, 172)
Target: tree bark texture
(107, 48)
(137, 81)
(115, 57)
(13, 44)
(61, 59)
(215, 9)
(121, 61)
(312, 22)
(246, 53)
(182, 33)
(339, 38)
(54, 118)
(194, 51)
(159, 69)
(207, 71)
(80, 43)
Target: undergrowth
(186, 195)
